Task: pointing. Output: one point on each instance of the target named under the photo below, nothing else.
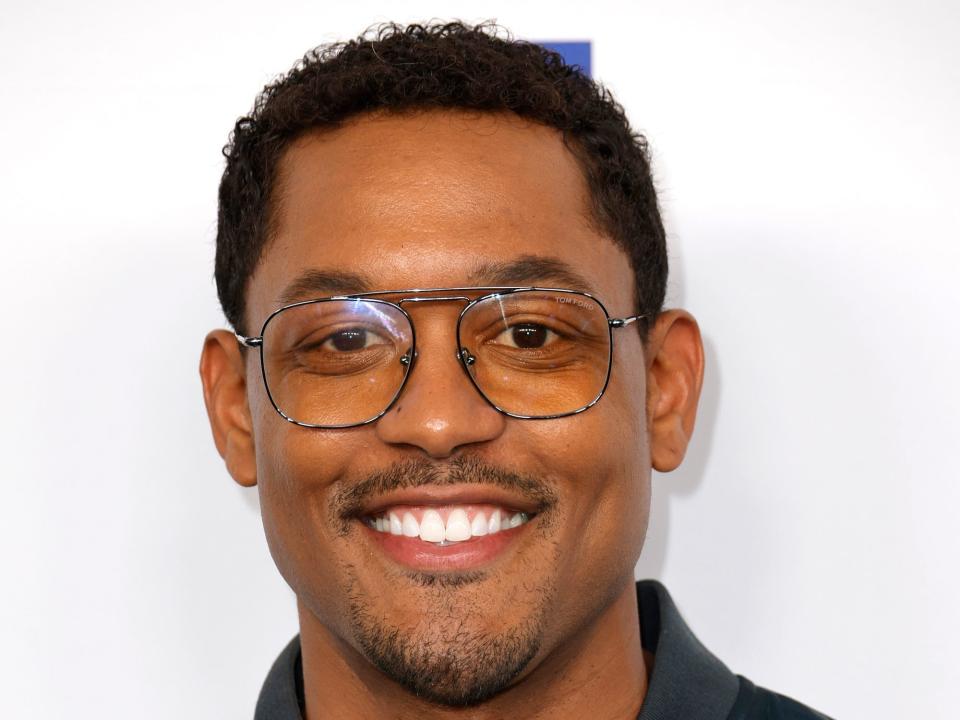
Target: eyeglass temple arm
(250, 342)
(623, 322)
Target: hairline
(277, 178)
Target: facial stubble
(457, 654)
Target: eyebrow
(318, 283)
(524, 270)
(531, 270)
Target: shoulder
(757, 703)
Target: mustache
(348, 502)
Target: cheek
(601, 458)
(296, 467)
(625, 502)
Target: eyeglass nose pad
(407, 358)
(466, 357)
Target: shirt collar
(687, 681)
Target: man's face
(447, 199)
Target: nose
(439, 410)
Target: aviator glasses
(342, 361)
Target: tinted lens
(336, 362)
(537, 353)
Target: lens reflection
(537, 353)
(336, 362)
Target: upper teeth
(462, 523)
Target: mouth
(447, 529)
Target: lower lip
(470, 554)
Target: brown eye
(349, 340)
(527, 336)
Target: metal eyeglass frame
(463, 355)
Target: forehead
(435, 199)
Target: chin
(456, 646)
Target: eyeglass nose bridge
(445, 298)
(462, 355)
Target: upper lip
(451, 495)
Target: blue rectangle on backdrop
(574, 53)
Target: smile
(446, 525)
(449, 528)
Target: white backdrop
(807, 156)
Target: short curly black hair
(397, 68)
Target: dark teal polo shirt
(687, 682)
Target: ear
(674, 358)
(223, 373)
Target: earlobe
(674, 379)
(240, 457)
(222, 372)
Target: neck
(599, 672)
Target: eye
(351, 340)
(527, 336)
